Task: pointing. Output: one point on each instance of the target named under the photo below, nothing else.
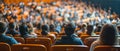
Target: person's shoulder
(15, 32)
(77, 39)
(8, 37)
(94, 44)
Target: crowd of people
(50, 19)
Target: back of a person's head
(108, 34)
(52, 27)
(84, 25)
(3, 27)
(39, 26)
(99, 27)
(70, 28)
(96, 24)
(23, 28)
(89, 29)
(118, 28)
(45, 29)
(11, 25)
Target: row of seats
(39, 47)
(47, 41)
(22, 47)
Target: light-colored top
(94, 44)
(98, 42)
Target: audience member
(3, 37)
(107, 37)
(70, 38)
(11, 29)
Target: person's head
(3, 27)
(29, 25)
(45, 29)
(69, 29)
(23, 28)
(96, 24)
(89, 29)
(83, 27)
(99, 27)
(11, 25)
(108, 34)
(52, 27)
(39, 26)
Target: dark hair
(70, 28)
(118, 27)
(89, 29)
(39, 26)
(98, 28)
(83, 27)
(45, 29)
(108, 34)
(11, 25)
(52, 27)
(23, 29)
(3, 27)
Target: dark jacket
(23, 31)
(12, 32)
(69, 40)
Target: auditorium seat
(4, 47)
(28, 47)
(69, 48)
(84, 36)
(20, 40)
(88, 41)
(55, 33)
(51, 37)
(41, 40)
(107, 48)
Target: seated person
(107, 37)
(24, 31)
(82, 29)
(89, 31)
(11, 29)
(70, 38)
(30, 29)
(37, 29)
(97, 30)
(52, 29)
(45, 31)
(3, 37)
